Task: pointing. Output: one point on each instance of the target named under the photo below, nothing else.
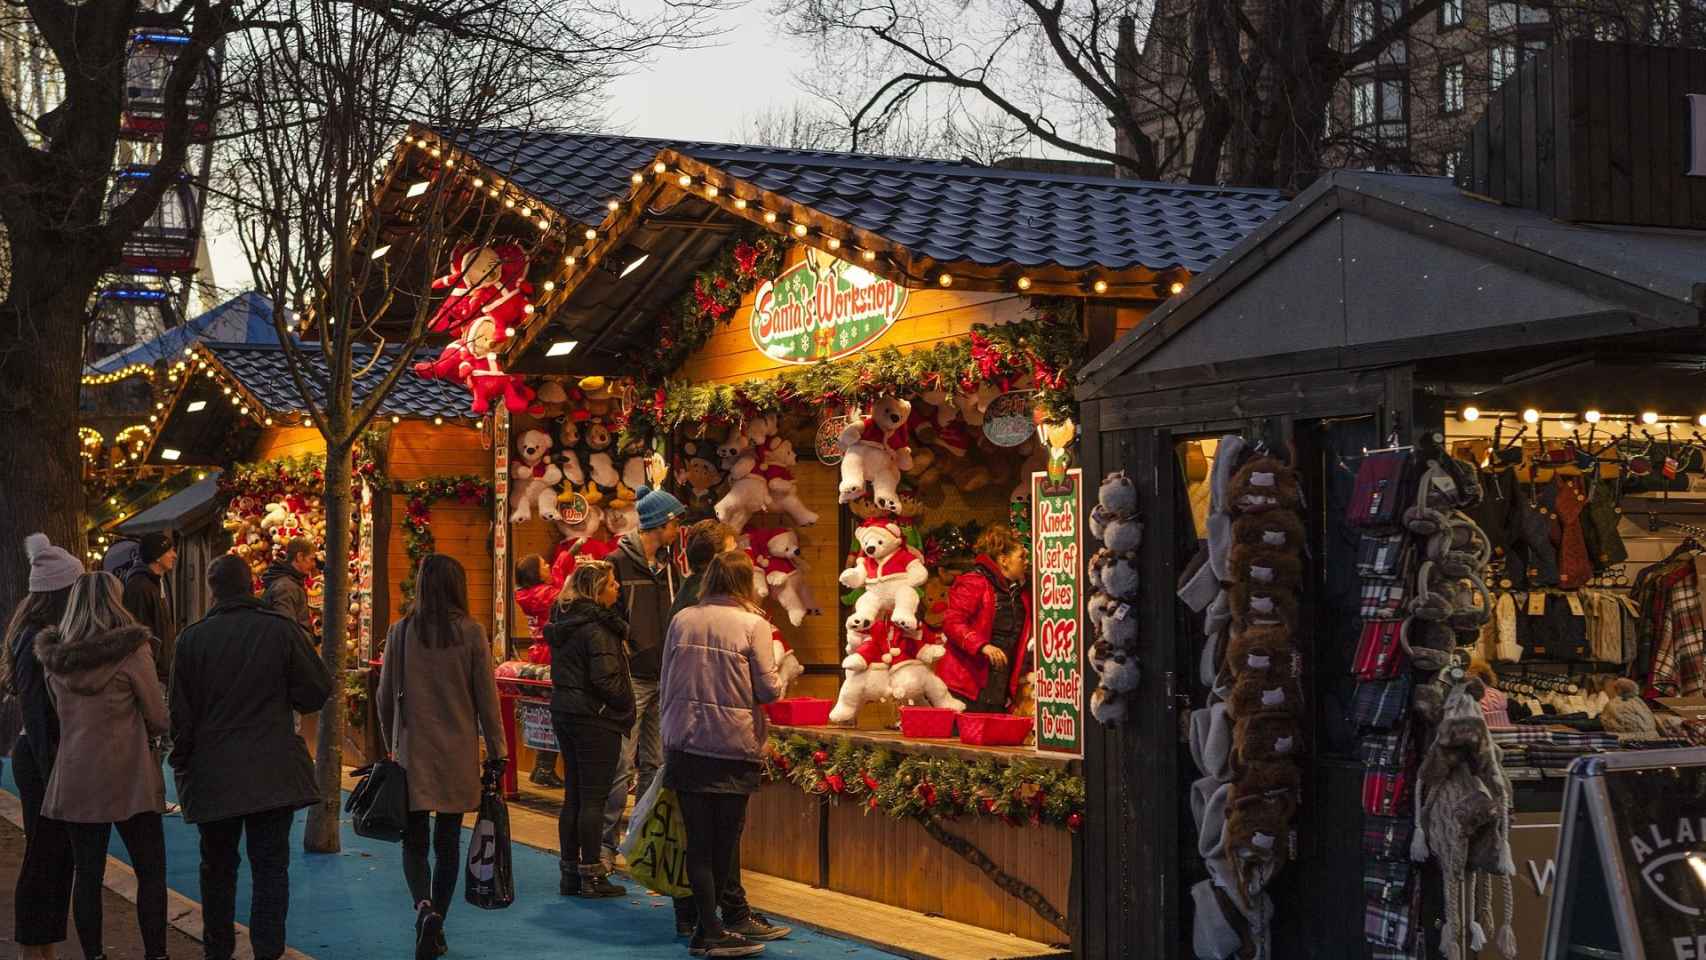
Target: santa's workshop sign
(1057, 594)
(823, 308)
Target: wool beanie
(51, 568)
(155, 546)
(657, 507)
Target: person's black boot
(569, 880)
(546, 777)
(595, 882)
(428, 927)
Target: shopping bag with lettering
(656, 844)
(489, 882)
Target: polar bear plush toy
(912, 678)
(877, 447)
(862, 681)
(774, 460)
(890, 573)
(748, 492)
(776, 555)
(787, 664)
(535, 476)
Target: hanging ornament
(828, 442)
(1007, 422)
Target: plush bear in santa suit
(774, 460)
(488, 299)
(890, 572)
(877, 448)
(887, 662)
(535, 476)
(775, 556)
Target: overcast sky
(696, 94)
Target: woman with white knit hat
(43, 897)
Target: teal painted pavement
(355, 906)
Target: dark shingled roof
(950, 212)
(262, 370)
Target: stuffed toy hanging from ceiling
(489, 297)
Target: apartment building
(1409, 109)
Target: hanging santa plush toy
(489, 297)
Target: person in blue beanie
(647, 580)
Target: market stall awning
(232, 390)
(1369, 268)
(184, 510)
(646, 215)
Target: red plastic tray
(799, 711)
(994, 729)
(927, 723)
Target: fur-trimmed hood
(87, 664)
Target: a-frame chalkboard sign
(1632, 859)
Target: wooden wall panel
(875, 857)
(277, 443)
(787, 844)
(420, 449)
(461, 532)
(1128, 317)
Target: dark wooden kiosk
(1376, 305)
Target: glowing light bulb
(1024, 283)
(1100, 286)
(1471, 414)
(1531, 415)
(946, 279)
(1591, 416)
(1177, 288)
(1649, 418)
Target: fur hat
(1257, 604)
(1256, 693)
(1259, 564)
(1273, 528)
(1264, 648)
(1265, 738)
(1258, 843)
(1264, 483)
(1275, 785)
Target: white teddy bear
(774, 461)
(914, 680)
(876, 447)
(776, 558)
(862, 682)
(890, 572)
(749, 493)
(535, 477)
(889, 663)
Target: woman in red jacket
(988, 624)
(536, 590)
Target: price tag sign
(536, 729)
(1057, 601)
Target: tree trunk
(41, 354)
(321, 835)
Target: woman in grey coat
(437, 699)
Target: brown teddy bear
(1265, 483)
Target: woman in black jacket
(592, 709)
(43, 898)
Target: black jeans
(269, 866)
(144, 837)
(42, 902)
(590, 756)
(731, 897)
(714, 825)
(438, 881)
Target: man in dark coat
(242, 673)
(146, 598)
(285, 583)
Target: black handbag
(379, 804)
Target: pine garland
(469, 490)
(928, 788)
(683, 327)
(1045, 347)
